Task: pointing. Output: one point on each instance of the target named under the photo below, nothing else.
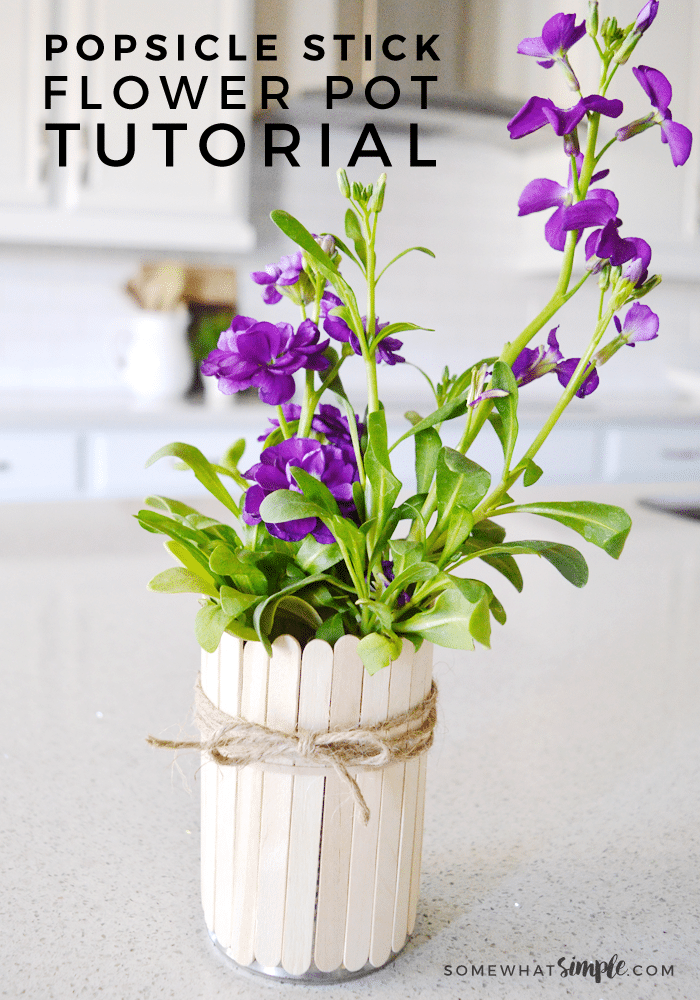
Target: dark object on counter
(683, 506)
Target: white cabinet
(39, 466)
(144, 203)
(115, 461)
(24, 161)
(646, 454)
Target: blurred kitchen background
(74, 419)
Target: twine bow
(232, 741)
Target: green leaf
(459, 524)
(241, 631)
(532, 473)
(489, 530)
(428, 445)
(193, 559)
(459, 481)
(599, 523)
(332, 629)
(234, 454)
(382, 486)
(171, 506)
(287, 505)
(154, 521)
(403, 254)
(264, 614)
(316, 557)
(446, 623)
(376, 652)
(235, 603)
(507, 407)
(479, 596)
(315, 491)
(251, 580)
(210, 623)
(178, 580)
(504, 564)
(415, 573)
(405, 553)
(564, 558)
(353, 230)
(202, 469)
(392, 328)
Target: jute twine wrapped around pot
(232, 741)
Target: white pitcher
(158, 360)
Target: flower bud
(571, 144)
(648, 286)
(635, 127)
(376, 202)
(606, 352)
(604, 279)
(343, 183)
(592, 22)
(627, 48)
(326, 243)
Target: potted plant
(328, 580)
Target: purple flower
(606, 246)
(658, 90)
(286, 272)
(595, 209)
(646, 17)
(636, 269)
(265, 355)
(331, 465)
(640, 324)
(338, 329)
(329, 421)
(558, 35)
(534, 362)
(540, 111)
(565, 371)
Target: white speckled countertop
(562, 816)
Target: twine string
(233, 741)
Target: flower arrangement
(322, 542)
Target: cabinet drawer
(641, 454)
(38, 465)
(115, 461)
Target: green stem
(283, 423)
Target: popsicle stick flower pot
(327, 580)
(294, 883)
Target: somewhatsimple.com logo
(594, 969)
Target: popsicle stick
(346, 696)
(282, 701)
(420, 685)
(230, 655)
(247, 832)
(389, 834)
(363, 856)
(307, 814)
(420, 808)
(209, 672)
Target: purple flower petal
(560, 33)
(640, 324)
(590, 212)
(534, 47)
(565, 371)
(564, 120)
(646, 16)
(655, 86)
(529, 118)
(611, 109)
(554, 232)
(275, 388)
(679, 139)
(541, 194)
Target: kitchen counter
(562, 816)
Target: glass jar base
(311, 976)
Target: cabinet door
(145, 184)
(24, 160)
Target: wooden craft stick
(346, 696)
(307, 814)
(208, 777)
(229, 655)
(389, 834)
(363, 856)
(426, 660)
(420, 685)
(282, 702)
(247, 834)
